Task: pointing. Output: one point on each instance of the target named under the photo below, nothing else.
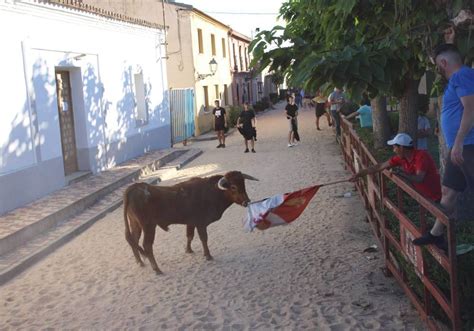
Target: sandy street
(310, 275)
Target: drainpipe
(164, 28)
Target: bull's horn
(249, 177)
(221, 184)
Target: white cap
(401, 139)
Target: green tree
(378, 46)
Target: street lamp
(212, 67)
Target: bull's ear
(249, 177)
(223, 184)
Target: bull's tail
(128, 234)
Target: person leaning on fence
(415, 166)
(457, 126)
(364, 112)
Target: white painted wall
(102, 56)
(223, 76)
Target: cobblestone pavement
(312, 274)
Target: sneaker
(296, 143)
(290, 145)
(219, 146)
(246, 150)
(429, 239)
(253, 151)
(223, 146)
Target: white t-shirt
(423, 124)
(336, 96)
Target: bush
(261, 105)
(234, 113)
(273, 97)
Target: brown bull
(196, 202)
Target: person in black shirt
(291, 116)
(246, 125)
(220, 123)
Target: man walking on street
(220, 123)
(457, 123)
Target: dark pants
(461, 177)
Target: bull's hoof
(141, 264)
(189, 250)
(209, 257)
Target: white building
(81, 91)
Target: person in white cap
(417, 167)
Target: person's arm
(225, 117)
(354, 114)
(449, 35)
(467, 123)
(372, 170)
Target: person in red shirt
(416, 166)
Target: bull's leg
(190, 236)
(148, 240)
(136, 232)
(202, 231)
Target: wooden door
(66, 122)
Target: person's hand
(456, 154)
(396, 171)
(449, 35)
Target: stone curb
(50, 247)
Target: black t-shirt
(291, 110)
(246, 117)
(219, 114)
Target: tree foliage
(368, 45)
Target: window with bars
(213, 44)
(224, 54)
(226, 92)
(206, 98)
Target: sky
(244, 16)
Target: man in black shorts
(220, 123)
